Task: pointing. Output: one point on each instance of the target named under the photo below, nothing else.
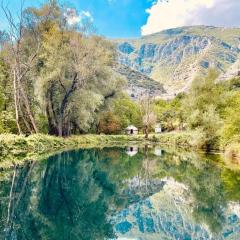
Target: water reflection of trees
(69, 196)
(205, 180)
(205, 186)
(210, 185)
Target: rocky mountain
(138, 83)
(169, 214)
(232, 72)
(175, 57)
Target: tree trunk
(27, 105)
(64, 105)
(25, 121)
(60, 127)
(50, 111)
(16, 102)
(146, 132)
(51, 123)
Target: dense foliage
(55, 77)
(210, 108)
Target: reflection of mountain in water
(168, 215)
(98, 194)
(139, 189)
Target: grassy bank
(38, 143)
(14, 149)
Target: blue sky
(133, 18)
(112, 18)
(116, 18)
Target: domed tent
(131, 130)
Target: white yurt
(131, 130)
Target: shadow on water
(103, 194)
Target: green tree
(127, 111)
(76, 79)
(7, 118)
(170, 113)
(58, 76)
(202, 108)
(231, 129)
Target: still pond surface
(121, 193)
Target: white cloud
(74, 18)
(166, 14)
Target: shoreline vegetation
(20, 148)
(40, 143)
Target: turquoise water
(121, 193)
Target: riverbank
(32, 147)
(40, 143)
(19, 148)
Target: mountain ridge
(138, 83)
(174, 57)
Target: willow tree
(76, 78)
(202, 109)
(56, 71)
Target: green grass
(181, 139)
(41, 143)
(19, 144)
(17, 149)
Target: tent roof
(131, 127)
